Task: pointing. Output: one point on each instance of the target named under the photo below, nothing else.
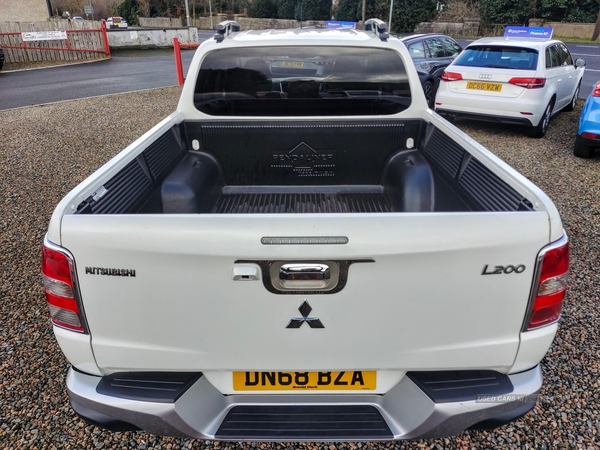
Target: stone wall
(155, 38)
(23, 10)
(160, 22)
(470, 27)
(249, 23)
(467, 28)
(577, 30)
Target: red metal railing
(67, 47)
(178, 64)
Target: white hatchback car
(511, 80)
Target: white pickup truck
(303, 251)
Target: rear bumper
(491, 108)
(405, 412)
(523, 120)
(587, 141)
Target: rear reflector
(551, 287)
(528, 83)
(58, 278)
(451, 76)
(589, 135)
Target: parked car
(521, 81)
(77, 18)
(588, 134)
(116, 22)
(431, 53)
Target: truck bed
(282, 167)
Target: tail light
(551, 287)
(58, 274)
(451, 76)
(528, 83)
(596, 91)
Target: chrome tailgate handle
(304, 272)
(304, 277)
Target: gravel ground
(48, 149)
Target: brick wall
(23, 11)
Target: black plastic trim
(484, 117)
(135, 189)
(462, 179)
(588, 141)
(461, 385)
(159, 387)
(302, 153)
(359, 422)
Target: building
(24, 10)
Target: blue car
(588, 135)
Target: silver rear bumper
(406, 409)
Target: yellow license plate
(480, 86)
(310, 381)
(292, 63)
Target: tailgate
(422, 303)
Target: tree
(349, 10)
(457, 10)
(408, 14)
(313, 10)
(569, 10)
(264, 9)
(144, 8)
(128, 9)
(102, 8)
(286, 9)
(507, 12)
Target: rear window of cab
(498, 57)
(302, 81)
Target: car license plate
(293, 63)
(481, 86)
(313, 381)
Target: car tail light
(528, 83)
(58, 277)
(596, 91)
(551, 287)
(451, 76)
(585, 134)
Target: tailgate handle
(306, 272)
(304, 276)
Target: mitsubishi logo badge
(305, 310)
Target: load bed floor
(265, 203)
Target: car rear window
(302, 81)
(499, 57)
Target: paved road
(145, 69)
(126, 71)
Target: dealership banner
(43, 35)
